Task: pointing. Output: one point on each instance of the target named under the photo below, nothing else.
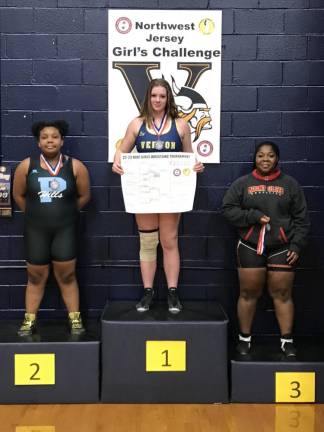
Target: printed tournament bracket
(184, 47)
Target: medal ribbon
(260, 246)
(53, 171)
(159, 129)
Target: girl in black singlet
(50, 190)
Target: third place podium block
(157, 357)
(267, 376)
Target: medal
(54, 184)
(53, 171)
(159, 144)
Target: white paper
(158, 182)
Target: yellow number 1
(165, 356)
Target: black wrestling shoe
(173, 301)
(146, 301)
(288, 347)
(244, 345)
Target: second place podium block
(50, 366)
(157, 357)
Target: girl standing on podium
(157, 129)
(50, 190)
(269, 210)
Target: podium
(267, 376)
(158, 357)
(51, 366)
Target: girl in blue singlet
(158, 128)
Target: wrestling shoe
(244, 345)
(288, 347)
(146, 301)
(173, 301)
(28, 326)
(75, 322)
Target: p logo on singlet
(51, 188)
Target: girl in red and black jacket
(269, 210)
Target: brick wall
(54, 65)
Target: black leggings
(43, 245)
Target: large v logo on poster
(181, 46)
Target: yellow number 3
(295, 386)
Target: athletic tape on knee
(148, 245)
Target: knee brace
(148, 245)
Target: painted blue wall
(54, 65)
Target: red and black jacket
(278, 196)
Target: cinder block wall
(54, 65)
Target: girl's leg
(65, 276)
(280, 285)
(148, 225)
(168, 224)
(251, 284)
(37, 277)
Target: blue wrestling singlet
(170, 141)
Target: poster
(181, 46)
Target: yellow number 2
(34, 369)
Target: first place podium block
(50, 366)
(157, 357)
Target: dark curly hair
(274, 147)
(61, 125)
